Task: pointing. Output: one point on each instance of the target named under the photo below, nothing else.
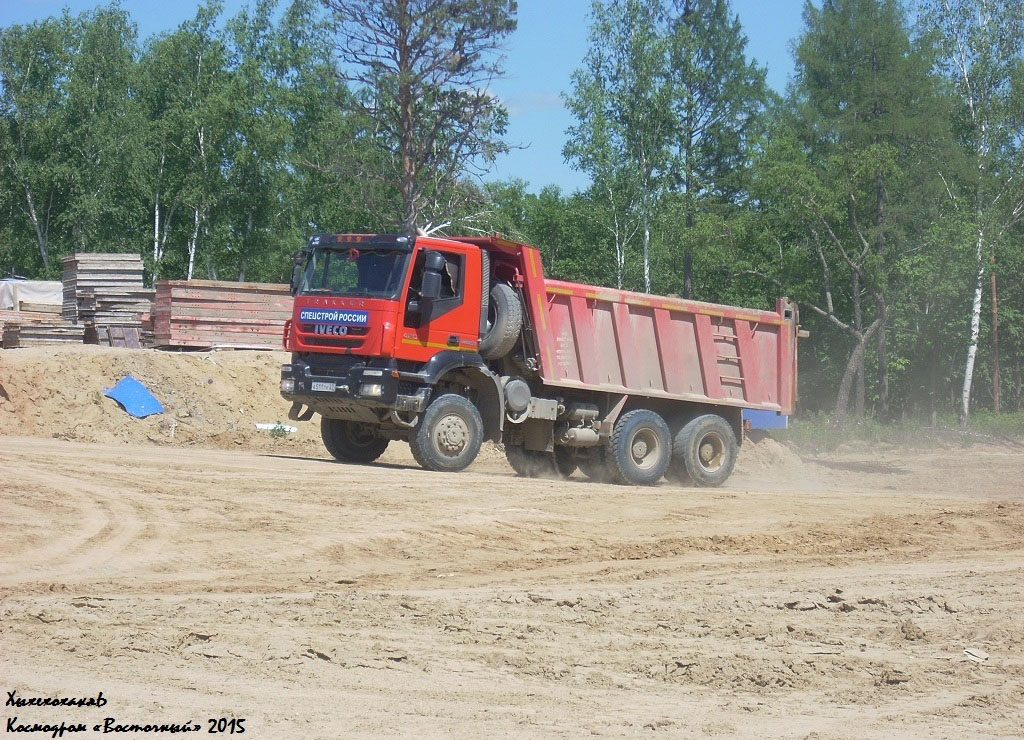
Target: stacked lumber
(118, 276)
(114, 307)
(47, 308)
(24, 317)
(43, 333)
(210, 313)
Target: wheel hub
(711, 452)
(451, 435)
(644, 450)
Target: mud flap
(294, 415)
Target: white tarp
(13, 292)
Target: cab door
(451, 321)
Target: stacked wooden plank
(8, 316)
(105, 292)
(42, 333)
(117, 277)
(114, 307)
(47, 308)
(209, 313)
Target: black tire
(351, 441)
(449, 436)
(705, 451)
(565, 461)
(594, 465)
(530, 463)
(504, 322)
(640, 448)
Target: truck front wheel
(350, 441)
(449, 436)
(640, 448)
(705, 451)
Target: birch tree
(982, 46)
(622, 100)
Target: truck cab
(379, 321)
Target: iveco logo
(332, 329)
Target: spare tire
(504, 322)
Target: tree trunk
(972, 350)
(192, 245)
(853, 365)
(245, 249)
(858, 324)
(687, 253)
(647, 249)
(883, 375)
(880, 242)
(995, 339)
(157, 250)
(44, 249)
(1018, 382)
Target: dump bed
(632, 343)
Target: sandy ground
(831, 598)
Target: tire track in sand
(117, 532)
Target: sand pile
(210, 398)
(767, 454)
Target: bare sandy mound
(766, 455)
(210, 398)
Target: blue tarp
(135, 398)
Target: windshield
(371, 273)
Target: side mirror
(298, 265)
(430, 287)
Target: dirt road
(317, 600)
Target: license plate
(326, 387)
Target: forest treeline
(883, 191)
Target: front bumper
(374, 384)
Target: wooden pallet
(206, 313)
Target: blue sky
(540, 57)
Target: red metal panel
(626, 349)
(708, 356)
(567, 363)
(750, 363)
(533, 284)
(671, 378)
(584, 337)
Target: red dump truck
(448, 342)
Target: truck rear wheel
(705, 451)
(350, 441)
(504, 322)
(594, 465)
(640, 448)
(534, 464)
(449, 436)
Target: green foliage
(876, 193)
(419, 71)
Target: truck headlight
(371, 389)
(287, 385)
